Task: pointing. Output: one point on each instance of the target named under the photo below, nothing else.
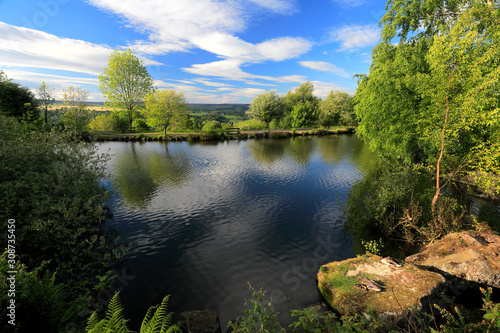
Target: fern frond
(92, 322)
(159, 321)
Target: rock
(204, 321)
(402, 287)
(470, 256)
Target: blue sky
(214, 51)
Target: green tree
(45, 98)
(125, 83)
(437, 93)
(267, 106)
(303, 106)
(77, 116)
(165, 107)
(17, 101)
(337, 109)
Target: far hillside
(225, 113)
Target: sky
(214, 51)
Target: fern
(114, 321)
(159, 321)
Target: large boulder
(470, 256)
(402, 288)
(204, 321)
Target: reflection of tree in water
(299, 149)
(267, 151)
(336, 148)
(271, 151)
(138, 173)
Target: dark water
(204, 220)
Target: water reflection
(137, 173)
(203, 220)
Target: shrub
(212, 126)
(101, 123)
(140, 125)
(251, 125)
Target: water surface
(204, 220)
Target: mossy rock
(403, 288)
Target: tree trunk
(441, 153)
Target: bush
(251, 125)
(140, 125)
(101, 123)
(212, 126)
(51, 187)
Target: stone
(470, 256)
(403, 288)
(197, 321)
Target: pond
(204, 220)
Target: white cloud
(210, 83)
(278, 6)
(349, 3)
(325, 67)
(356, 36)
(322, 89)
(23, 47)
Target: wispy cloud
(323, 66)
(23, 47)
(322, 89)
(349, 3)
(352, 37)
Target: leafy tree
(77, 115)
(437, 93)
(17, 101)
(125, 83)
(164, 107)
(303, 106)
(337, 109)
(267, 106)
(46, 98)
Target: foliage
(267, 107)
(250, 125)
(40, 302)
(436, 95)
(51, 187)
(310, 321)
(17, 101)
(45, 98)
(211, 126)
(303, 106)
(125, 83)
(101, 123)
(457, 323)
(337, 109)
(164, 107)
(373, 246)
(157, 319)
(260, 317)
(140, 125)
(77, 115)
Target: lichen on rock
(403, 288)
(470, 256)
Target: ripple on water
(203, 220)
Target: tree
(337, 109)
(267, 106)
(165, 107)
(437, 93)
(125, 83)
(77, 116)
(303, 106)
(17, 101)
(45, 97)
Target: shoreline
(215, 136)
